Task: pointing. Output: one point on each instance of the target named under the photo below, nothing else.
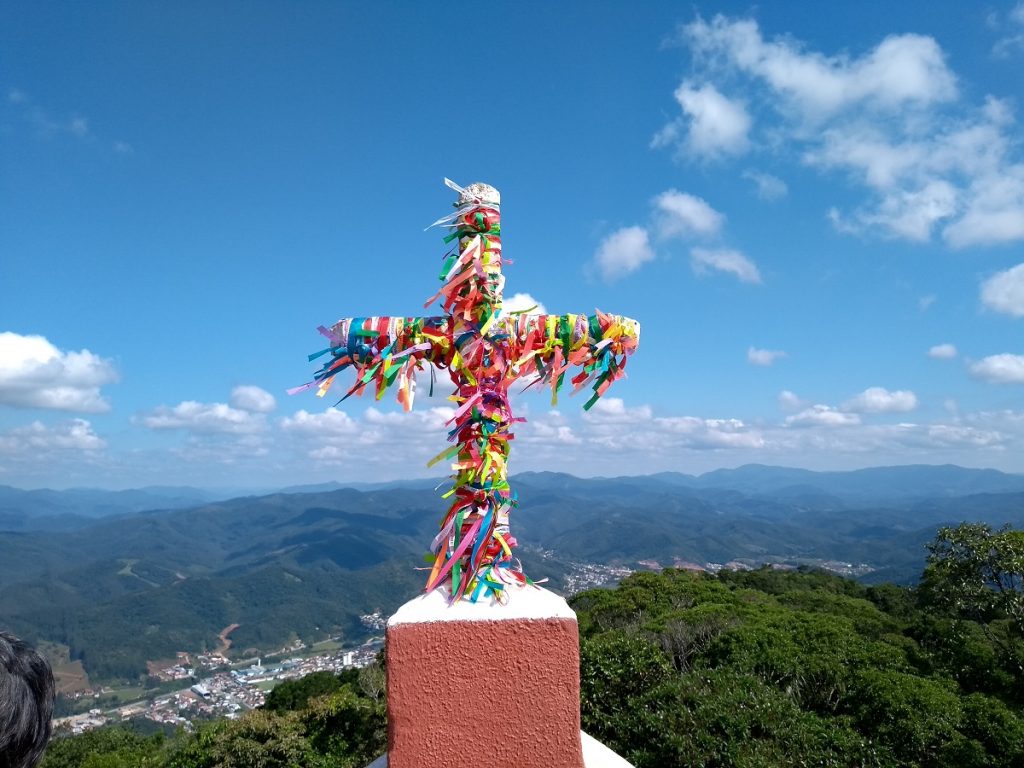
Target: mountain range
(129, 576)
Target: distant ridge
(873, 484)
(134, 586)
(96, 502)
(911, 481)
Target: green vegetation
(746, 669)
(120, 592)
(771, 668)
(315, 723)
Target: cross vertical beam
(485, 351)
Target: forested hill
(125, 589)
(754, 669)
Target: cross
(484, 350)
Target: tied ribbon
(484, 351)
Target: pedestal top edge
(524, 603)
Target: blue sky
(817, 218)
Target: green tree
(615, 669)
(106, 748)
(726, 719)
(258, 739)
(978, 573)
(295, 694)
(347, 730)
(917, 718)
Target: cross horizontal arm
(384, 350)
(547, 346)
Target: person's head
(26, 703)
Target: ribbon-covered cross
(484, 350)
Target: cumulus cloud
(942, 352)
(333, 437)
(1000, 369)
(328, 423)
(764, 357)
(1004, 291)
(204, 418)
(614, 425)
(550, 430)
(768, 187)
(622, 252)
(1011, 27)
(36, 374)
(712, 124)
(993, 209)
(711, 433)
(901, 70)
(251, 398)
(790, 401)
(613, 410)
(890, 119)
(881, 400)
(681, 215)
(822, 416)
(705, 260)
(523, 301)
(37, 439)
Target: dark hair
(26, 703)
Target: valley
(122, 590)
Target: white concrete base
(523, 602)
(595, 755)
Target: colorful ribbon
(485, 352)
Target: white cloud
(681, 215)
(901, 70)
(550, 430)
(960, 435)
(711, 433)
(714, 125)
(79, 126)
(521, 301)
(892, 120)
(768, 187)
(764, 356)
(994, 210)
(622, 252)
(204, 418)
(379, 439)
(881, 400)
(35, 374)
(1000, 369)
(790, 402)
(613, 425)
(911, 214)
(37, 439)
(613, 410)
(1012, 41)
(1004, 291)
(822, 416)
(942, 352)
(925, 302)
(724, 260)
(328, 423)
(251, 398)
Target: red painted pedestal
(477, 684)
(472, 685)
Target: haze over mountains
(121, 584)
